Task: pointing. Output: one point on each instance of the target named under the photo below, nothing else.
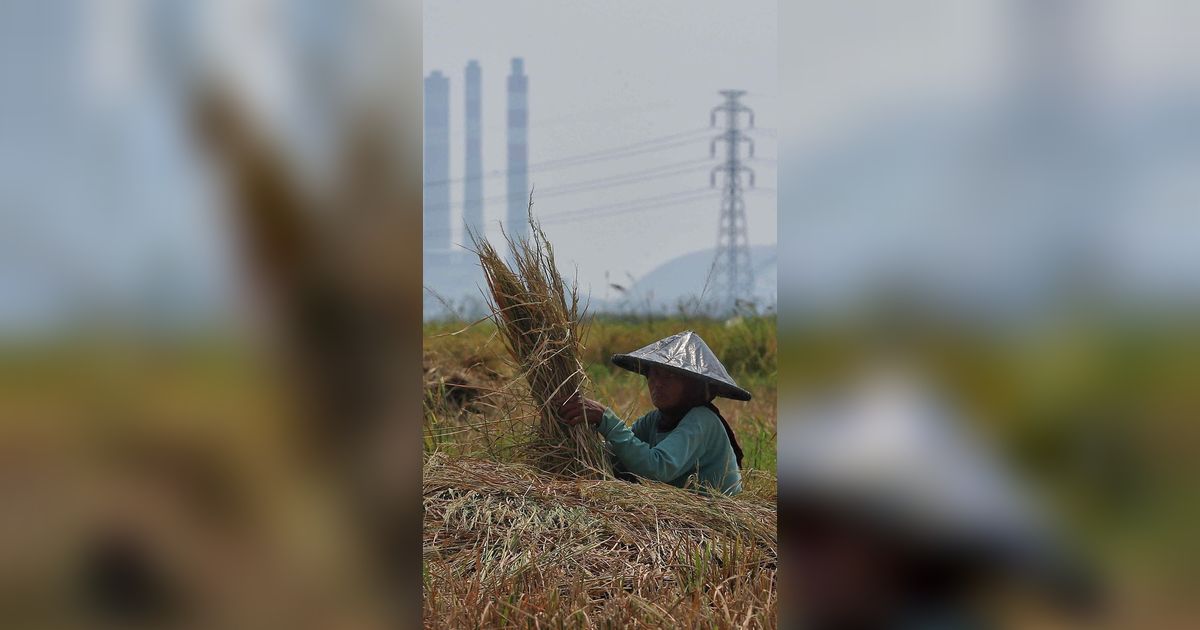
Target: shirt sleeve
(679, 452)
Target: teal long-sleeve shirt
(697, 445)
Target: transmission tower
(732, 278)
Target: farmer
(684, 441)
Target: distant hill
(452, 285)
(682, 279)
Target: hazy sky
(890, 107)
(90, 112)
(610, 74)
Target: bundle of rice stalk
(600, 546)
(538, 316)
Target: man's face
(667, 389)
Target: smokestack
(473, 183)
(437, 163)
(518, 149)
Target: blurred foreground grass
(174, 461)
(1100, 416)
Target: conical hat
(684, 353)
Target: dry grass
(537, 314)
(508, 545)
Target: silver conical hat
(685, 353)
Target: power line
(686, 166)
(611, 209)
(608, 115)
(637, 148)
(684, 195)
(557, 219)
(618, 211)
(643, 145)
(600, 183)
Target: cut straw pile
(571, 550)
(538, 316)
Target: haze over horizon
(909, 156)
(636, 72)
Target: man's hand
(575, 409)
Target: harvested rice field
(509, 541)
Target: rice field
(508, 544)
